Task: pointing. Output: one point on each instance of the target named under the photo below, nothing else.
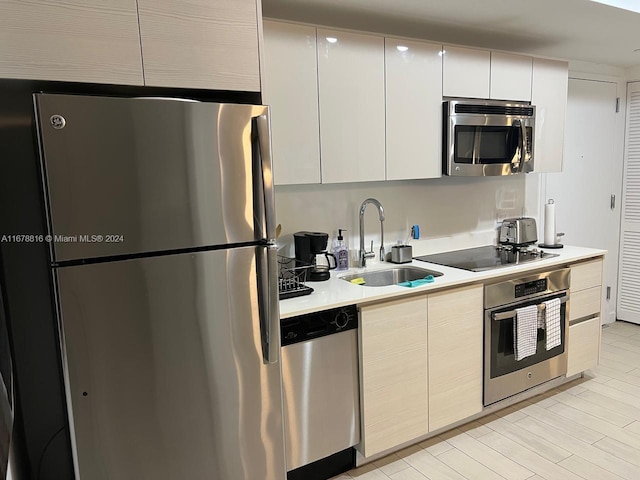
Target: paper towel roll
(550, 223)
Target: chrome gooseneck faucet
(362, 253)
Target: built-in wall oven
(504, 375)
(488, 138)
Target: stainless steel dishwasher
(320, 384)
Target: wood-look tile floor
(587, 429)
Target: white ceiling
(585, 30)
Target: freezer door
(165, 369)
(130, 175)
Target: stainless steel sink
(391, 276)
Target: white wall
(633, 74)
(452, 212)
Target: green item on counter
(417, 283)
(358, 281)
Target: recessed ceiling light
(332, 39)
(402, 48)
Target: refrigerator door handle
(267, 259)
(263, 129)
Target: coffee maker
(310, 246)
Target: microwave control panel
(530, 288)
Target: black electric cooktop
(486, 258)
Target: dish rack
(291, 278)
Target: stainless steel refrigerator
(161, 228)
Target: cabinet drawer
(585, 302)
(584, 346)
(586, 275)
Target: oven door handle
(512, 313)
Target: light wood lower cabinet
(393, 362)
(585, 306)
(455, 355)
(421, 365)
(421, 358)
(584, 346)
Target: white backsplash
(452, 212)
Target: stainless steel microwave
(488, 138)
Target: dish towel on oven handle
(552, 323)
(525, 332)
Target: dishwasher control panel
(318, 324)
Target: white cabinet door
(71, 41)
(393, 362)
(200, 44)
(510, 76)
(290, 88)
(413, 109)
(351, 92)
(549, 95)
(466, 72)
(455, 355)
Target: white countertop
(336, 292)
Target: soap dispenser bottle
(341, 252)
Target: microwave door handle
(516, 160)
(523, 144)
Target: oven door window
(486, 145)
(502, 355)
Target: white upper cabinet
(293, 98)
(200, 44)
(71, 41)
(510, 76)
(352, 111)
(413, 73)
(466, 72)
(549, 95)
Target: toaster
(519, 231)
